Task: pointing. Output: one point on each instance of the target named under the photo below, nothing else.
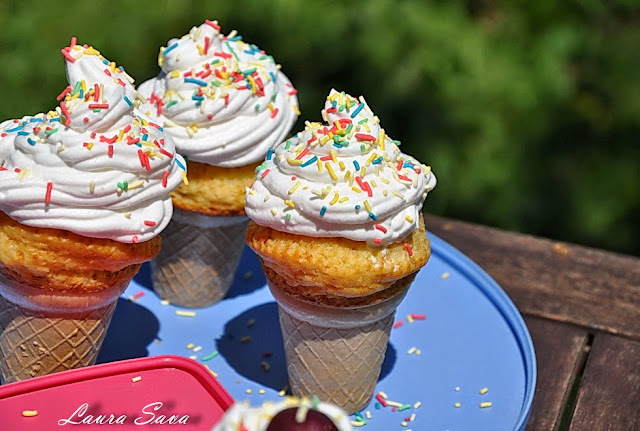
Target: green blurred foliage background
(529, 112)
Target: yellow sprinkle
(136, 184)
(296, 109)
(319, 163)
(341, 164)
(61, 148)
(409, 318)
(332, 174)
(381, 139)
(190, 346)
(367, 205)
(266, 198)
(29, 413)
(194, 357)
(363, 171)
(409, 219)
(91, 51)
(373, 183)
(200, 49)
(371, 158)
(245, 339)
(486, 404)
(323, 140)
(484, 391)
(343, 199)
(290, 203)
(336, 196)
(294, 162)
(274, 211)
(355, 189)
(249, 391)
(164, 302)
(294, 188)
(214, 373)
(136, 379)
(250, 191)
(404, 424)
(334, 156)
(384, 180)
(357, 423)
(89, 145)
(347, 175)
(456, 405)
(185, 181)
(24, 173)
(417, 404)
(445, 275)
(366, 127)
(185, 313)
(283, 391)
(92, 186)
(174, 74)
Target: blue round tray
(465, 346)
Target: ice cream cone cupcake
(337, 223)
(225, 103)
(84, 193)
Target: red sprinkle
(326, 158)
(66, 55)
(397, 324)
(409, 249)
(402, 177)
(274, 113)
(381, 228)
(378, 241)
(267, 354)
(106, 71)
(266, 171)
(64, 93)
(381, 400)
(149, 223)
(226, 99)
(418, 316)
(165, 176)
(96, 92)
(212, 24)
(364, 137)
(110, 150)
(74, 40)
(138, 294)
(110, 140)
(134, 239)
(127, 128)
(98, 106)
(47, 197)
(206, 45)
(67, 115)
(302, 154)
(85, 119)
(292, 92)
(331, 110)
(166, 153)
(222, 54)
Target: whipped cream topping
(96, 165)
(225, 102)
(241, 416)
(344, 178)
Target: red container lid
(164, 392)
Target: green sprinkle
(215, 83)
(216, 61)
(404, 407)
(210, 356)
(232, 51)
(76, 89)
(288, 144)
(170, 104)
(50, 132)
(349, 127)
(363, 121)
(257, 106)
(273, 98)
(249, 71)
(262, 166)
(124, 186)
(363, 148)
(288, 216)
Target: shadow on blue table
(131, 330)
(248, 356)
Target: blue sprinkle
(126, 99)
(166, 51)
(269, 153)
(180, 165)
(23, 133)
(378, 160)
(14, 129)
(81, 95)
(54, 119)
(273, 77)
(335, 103)
(105, 61)
(408, 165)
(145, 136)
(358, 207)
(309, 162)
(373, 216)
(337, 145)
(35, 120)
(322, 211)
(235, 38)
(356, 165)
(31, 141)
(357, 110)
(197, 97)
(195, 81)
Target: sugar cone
(34, 343)
(198, 259)
(336, 353)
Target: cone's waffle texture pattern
(196, 265)
(338, 365)
(33, 343)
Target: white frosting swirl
(241, 416)
(95, 166)
(224, 102)
(345, 178)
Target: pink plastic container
(163, 392)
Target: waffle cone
(338, 365)
(34, 343)
(197, 262)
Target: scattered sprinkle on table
(445, 275)
(249, 391)
(190, 346)
(185, 313)
(164, 302)
(484, 391)
(136, 379)
(486, 404)
(456, 405)
(210, 356)
(197, 349)
(29, 413)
